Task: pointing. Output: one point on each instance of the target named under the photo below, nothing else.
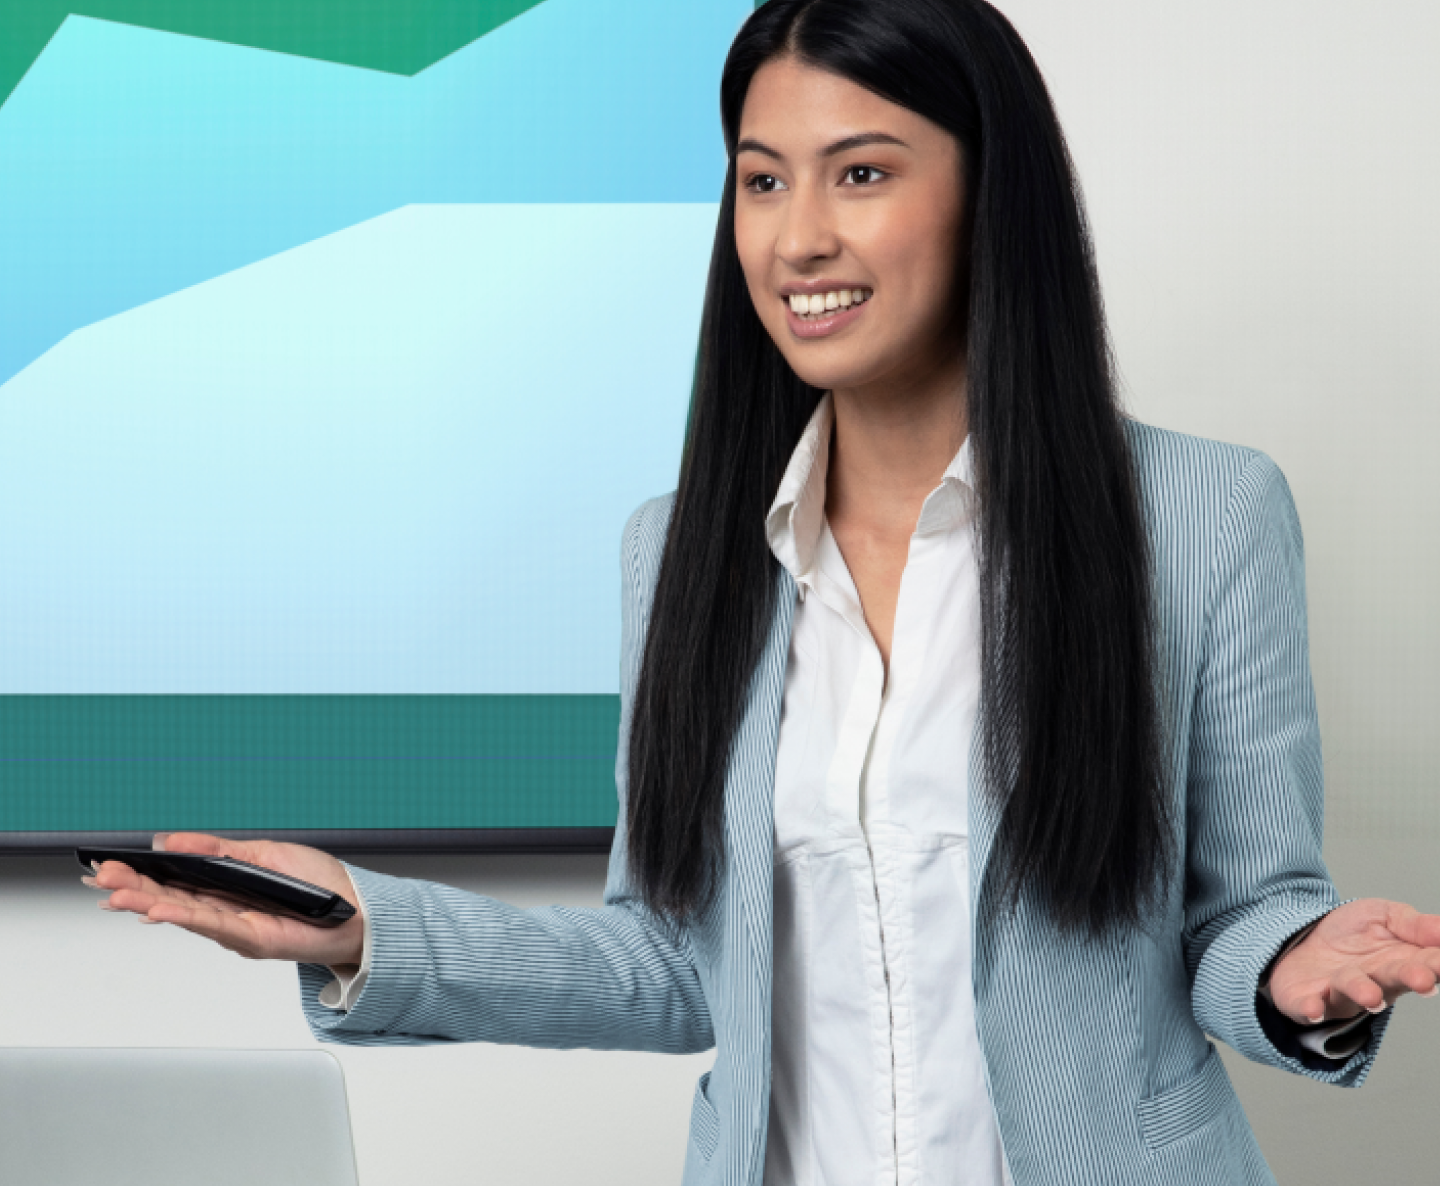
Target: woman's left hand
(1362, 955)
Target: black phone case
(237, 881)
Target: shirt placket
(858, 790)
(888, 836)
(843, 808)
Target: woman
(969, 764)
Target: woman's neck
(890, 448)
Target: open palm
(1362, 955)
(248, 932)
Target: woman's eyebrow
(859, 140)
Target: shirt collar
(797, 516)
(953, 501)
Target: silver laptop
(78, 1117)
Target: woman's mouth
(819, 314)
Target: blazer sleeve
(1255, 796)
(452, 966)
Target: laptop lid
(77, 1117)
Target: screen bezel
(354, 840)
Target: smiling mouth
(819, 305)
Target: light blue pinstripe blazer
(1096, 1054)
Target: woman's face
(838, 189)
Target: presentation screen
(337, 344)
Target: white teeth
(843, 298)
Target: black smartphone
(247, 885)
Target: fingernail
(105, 905)
(1378, 1008)
(1434, 991)
(1316, 1020)
(154, 922)
(90, 881)
(158, 843)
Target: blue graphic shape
(397, 459)
(136, 163)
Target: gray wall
(74, 975)
(1262, 177)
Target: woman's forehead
(795, 109)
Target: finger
(1306, 1009)
(1408, 924)
(133, 901)
(128, 890)
(117, 876)
(112, 875)
(1421, 981)
(1431, 960)
(207, 845)
(137, 901)
(1412, 975)
(1351, 985)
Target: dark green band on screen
(167, 763)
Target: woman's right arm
(449, 965)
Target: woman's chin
(832, 374)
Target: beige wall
(1264, 181)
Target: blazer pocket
(1175, 1114)
(704, 1120)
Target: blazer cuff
(394, 972)
(342, 992)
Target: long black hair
(1071, 742)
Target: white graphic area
(394, 460)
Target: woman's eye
(766, 183)
(757, 183)
(871, 170)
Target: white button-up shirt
(877, 1072)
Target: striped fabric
(1096, 1053)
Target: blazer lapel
(983, 818)
(750, 792)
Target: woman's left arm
(1254, 872)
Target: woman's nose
(808, 230)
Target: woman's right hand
(250, 933)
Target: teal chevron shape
(136, 162)
(396, 36)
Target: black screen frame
(346, 840)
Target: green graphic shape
(166, 763)
(396, 36)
